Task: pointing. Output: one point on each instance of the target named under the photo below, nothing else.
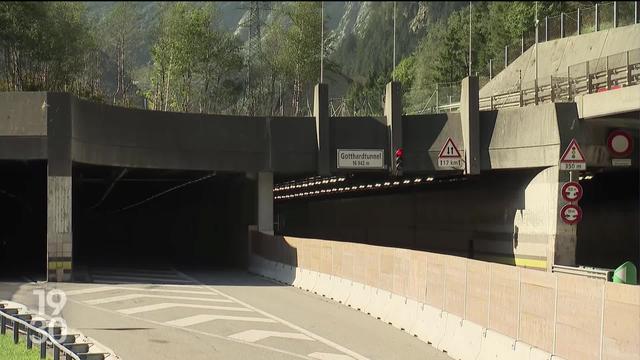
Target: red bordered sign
(573, 158)
(620, 143)
(572, 191)
(571, 214)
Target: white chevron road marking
(257, 335)
(329, 356)
(163, 306)
(150, 296)
(199, 319)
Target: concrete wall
(556, 56)
(23, 125)
(501, 216)
(471, 309)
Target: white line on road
(138, 296)
(257, 335)
(137, 279)
(282, 321)
(329, 356)
(162, 306)
(113, 288)
(199, 319)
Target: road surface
(167, 314)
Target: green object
(626, 274)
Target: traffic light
(398, 168)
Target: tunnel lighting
(387, 183)
(396, 183)
(378, 185)
(341, 179)
(354, 188)
(406, 181)
(589, 177)
(429, 179)
(317, 192)
(581, 177)
(333, 180)
(361, 186)
(369, 186)
(417, 180)
(341, 189)
(325, 181)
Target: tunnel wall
(500, 216)
(468, 308)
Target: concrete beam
(470, 119)
(393, 114)
(323, 128)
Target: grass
(9, 350)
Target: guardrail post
(578, 22)
(588, 78)
(43, 347)
(3, 325)
(608, 73)
(16, 332)
(561, 25)
(56, 353)
(551, 92)
(29, 342)
(615, 14)
(597, 24)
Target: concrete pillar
(323, 128)
(59, 189)
(470, 119)
(265, 202)
(393, 114)
(540, 236)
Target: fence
(20, 326)
(450, 301)
(606, 73)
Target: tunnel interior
(609, 233)
(23, 234)
(160, 218)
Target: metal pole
(635, 12)
(321, 42)
(597, 25)
(536, 52)
(437, 99)
(491, 68)
(506, 56)
(469, 38)
(561, 25)
(615, 14)
(546, 28)
(394, 42)
(578, 22)
(522, 44)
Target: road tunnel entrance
(159, 218)
(23, 234)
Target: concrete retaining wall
(471, 309)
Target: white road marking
(327, 342)
(138, 296)
(257, 335)
(137, 279)
(112, 288)
(199, 319)
(162, 306)
(329, 356)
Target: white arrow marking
(140, 309)
(138, 296)
(329, 356)
(199, 319)
(257, 335)
(93, 290)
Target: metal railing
(18, 325)
(590, 272)
(602, 74)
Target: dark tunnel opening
(159, 218)
(23, 210)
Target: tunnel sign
(360, 159)
(572, 191)
(619, 143)
(573, 158)
(571, 214)
(449, 156)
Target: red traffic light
(399, 152)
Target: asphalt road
(167, 314)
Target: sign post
(449, 156)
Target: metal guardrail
(593, 273)
(31, 330)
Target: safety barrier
(471, 309)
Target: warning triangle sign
(449, 150)
(573, 154)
